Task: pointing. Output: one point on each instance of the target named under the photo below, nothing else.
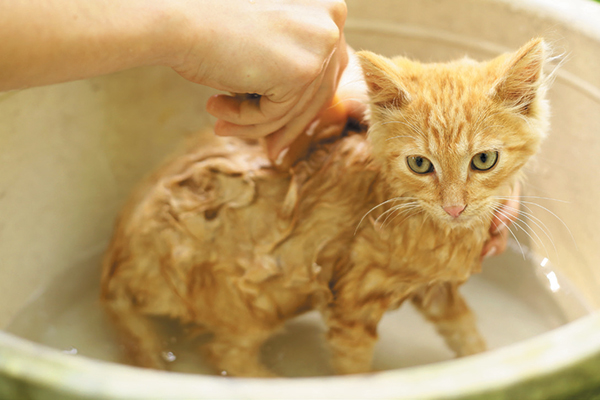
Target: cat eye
(484, 161)
(419, 164)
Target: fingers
(283, 138)
(254, 118)
(338, 13)
(496, 244)
(262, 115)
(320, 104)
(501, 222)
(508, 213)
(295, 72)
(247, 110)
(285, 159)
(250, 117)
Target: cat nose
(454, 211)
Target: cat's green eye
(484, 161)
(419, 164)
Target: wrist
(178, 32)
(158, 31)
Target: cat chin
(462, 222)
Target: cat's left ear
(383, 81)
(521, 77)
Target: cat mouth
(464, 218)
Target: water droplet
(224, 373)
(71, 350)
(168, 356)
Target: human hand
(290, 52)
(350, 102)
(501, 222)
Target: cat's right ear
(381, 76)
(522, 77)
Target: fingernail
(490, 252)
(311, 128)
(282, 153)
(499, 228)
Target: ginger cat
(220, 239)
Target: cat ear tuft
(522, 76)
(381, 76)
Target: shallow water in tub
(517, 296)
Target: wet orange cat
(220, 239)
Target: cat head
(455, 136)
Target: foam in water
(518, 296)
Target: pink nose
(454, 211)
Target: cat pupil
(419, 161)
(483, 157)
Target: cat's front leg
(444, 305)
(136, 334)
(238, 353)
(352, 335)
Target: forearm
(289, 52)
(50, 41)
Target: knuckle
(330, 36)
(339, 12)
(333, 38)
(309, 69)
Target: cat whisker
(407, 210)
(517, 223)
(521, 205)
(513, 235)
(395, 208)
(538, 222)
(395, 137)
(410, 212)
(526, 228)
(524, 118)
(481, 218)
(426, 217)
(555, 216)
(373, 125)
(531, 197)
(408, 215)
(525, 204)
(525, 211)
(388, 212)
(379, 205)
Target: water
(515, 298)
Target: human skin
(290, 52)
(500, 229)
